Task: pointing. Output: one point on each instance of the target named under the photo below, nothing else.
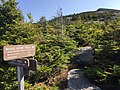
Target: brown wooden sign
(18, 51)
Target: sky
(48, 8)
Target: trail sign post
(20, 74)
(33, 64)
(18, 51)
(19, 55)
(23, 63)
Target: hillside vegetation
(56, 41)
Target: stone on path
(77, 81)
(84, 56)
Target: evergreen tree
(9, 16)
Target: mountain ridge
(97, 15)
(107, 9)
(100, 14)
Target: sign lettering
(18, 51)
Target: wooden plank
(18, 51)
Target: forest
(55, 41)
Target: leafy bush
(54, 54)
(96, 74)
(116, 70)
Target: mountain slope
(101, 14)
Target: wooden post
(20, 74)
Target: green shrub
(116, 70)
(54, 54)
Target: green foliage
(54, 54)
(116, 70)
(40, 87)
(104, 38)
(44, 87)
(106, 46)
(54, 48)
(13, 31)
(96, 74)
(8, 79)
(27, 85)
